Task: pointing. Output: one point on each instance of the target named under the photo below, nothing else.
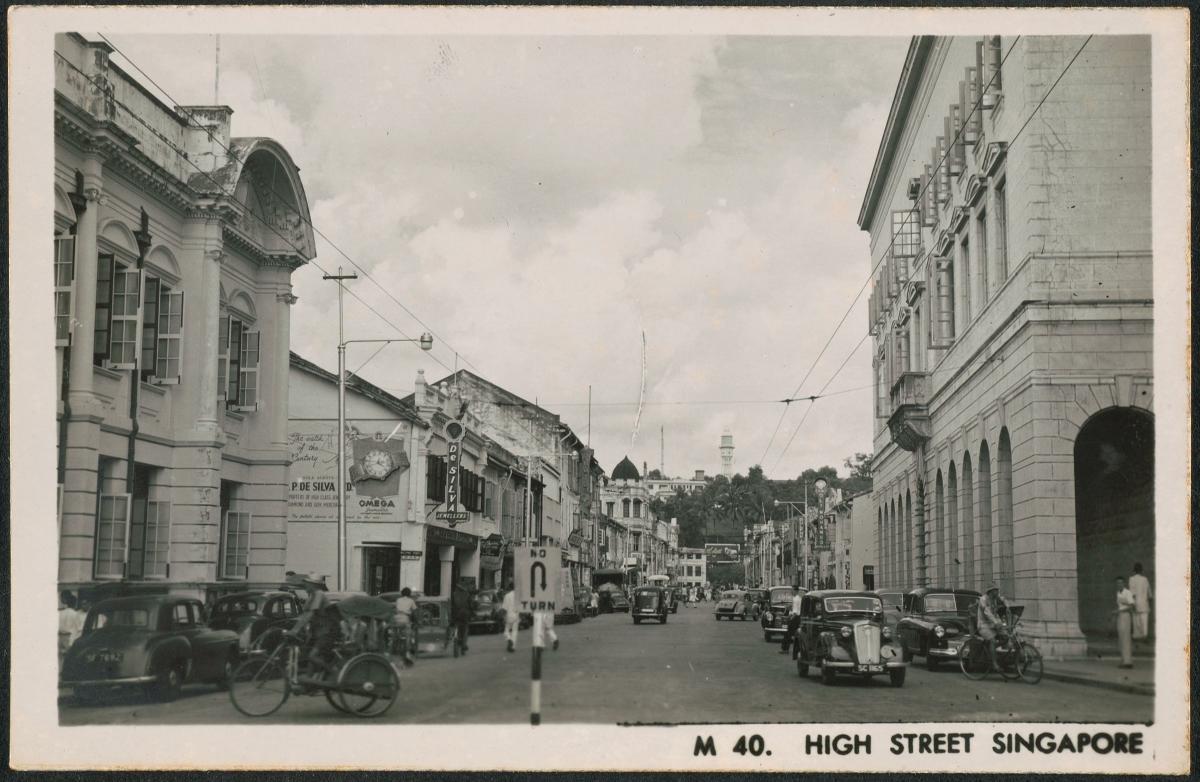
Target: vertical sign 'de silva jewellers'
(455, 431)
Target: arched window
(625, 508)
(1004, 515)
(637, 509)
(879, 543)
(986, 569)
(967, 522)
(909, 553)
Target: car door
(804, 630)
(905, 628)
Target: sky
(541, 203)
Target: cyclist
(324, 618)
(406, 609)
(990, 616)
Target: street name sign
(536, 572)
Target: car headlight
(845, 632)
(939, 631)
(887, 632)
(769, 616)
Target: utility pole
(341, 432)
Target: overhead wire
(366, 274)
(183, 156)
(1011, 141)
(895, 232)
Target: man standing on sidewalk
(1139, 585)
(1124, 612)
(461, 606)
(793, 622)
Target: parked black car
(935, 623)
(893, 605)
(618, 602)
(487, 614)
(252, 614)
(650, 603)
(843, 631)
(159, 642)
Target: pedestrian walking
(406, 609)
(594, 603)
(512, 619)
(460, 613)
(70, 623)
(793, 619)
(548, 629)
(1139, 585)
(1124, 614)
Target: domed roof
(626, 471)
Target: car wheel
(931, 662)
(226, 672)
(169, 682)
(896, 675)
(766, 636)
(828, 675)
(664, 618)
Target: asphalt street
(692, 670)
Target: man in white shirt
(1124, 613)
(70, 623)
(406, 609)
(793, 621)
(511, 617)
(1139, 585)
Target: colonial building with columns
(1012, 317)
(174, 246)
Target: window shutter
(222, 358)
(156, 539)
(236, 556)
(112, 535)
(150, 307)
(168, 365)
(247, 399)
(105, 268)
(64, 288)
(234, 362)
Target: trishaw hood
(365, 607)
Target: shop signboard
(491, 552)
(377, 464)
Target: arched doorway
(1004, 514)
(967, 522)
(985, 516)
(939, 510)
(952, 543)
(1114, 508)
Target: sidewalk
(1103, 672)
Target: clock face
(377, 464)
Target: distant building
(691, 570)
(626, 498)
(1012, 317)
(668, 487)
(727, 454)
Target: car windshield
(836, 604)
(117, 617)
(781, 595)
(940, 603)
(731, 595)
(238, 606)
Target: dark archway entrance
(1114, 508)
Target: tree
(655, 474)
(860, 479)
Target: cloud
(542, 202)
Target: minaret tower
(727, 454)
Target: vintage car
(487, 615)
(159, 642)
(618, 602)
(733, 605)
(843, 631)
(253, 615)
(650, 602)
(936, 623)
(774, 620)
(583, 602)
(893, 605)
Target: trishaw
(434, 629)
(361, 679)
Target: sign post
(455, 432)
(536, 573)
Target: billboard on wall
(722, 553)
(377, 464)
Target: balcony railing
(909, 422)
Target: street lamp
(426, 343)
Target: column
(82, 457)
(446, 559)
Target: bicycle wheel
(974, 659)
(368, 685)
(1029, 663)
(259, 687)
(1005, 659)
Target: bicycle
(1013, 659)
(365, 684)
